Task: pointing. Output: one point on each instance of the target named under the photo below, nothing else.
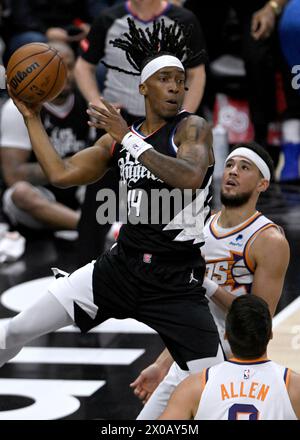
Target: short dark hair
(248, 326)
(261, 151)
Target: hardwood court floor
(66, 375)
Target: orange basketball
(36, 73)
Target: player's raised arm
(85, 167)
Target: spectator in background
(29, 200)
(113, 23)
(257, 19)
(123, 89)
(45, 20)
(289, 33)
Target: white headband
(254, 157)
(158, 63)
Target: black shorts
(165, 295)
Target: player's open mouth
(172, 102)
(231, 183)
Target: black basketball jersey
(68, 131)
(155, 221)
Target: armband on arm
(135, 145)
(210, 286)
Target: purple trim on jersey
(135, 130)
(234, 233)
(286, 370)
(206, 375)
(155, 17)
(249, 362)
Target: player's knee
(25, 197)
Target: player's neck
(151, 124)
(262, 358)
(233, 216)
(147, 10)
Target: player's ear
(225, 336)
(263, 185)
(143, 89)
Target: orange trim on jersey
(112, 148)
(233, 231)
(249, 361)
(287, 377)
(250, 241)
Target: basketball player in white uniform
(248, 386)
(244, 252)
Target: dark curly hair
(142, 46)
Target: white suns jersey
(239, 390)
(226, 253)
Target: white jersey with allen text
(226, 253)
(245, 390)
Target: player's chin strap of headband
(158, 63)
(253, 157)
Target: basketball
(36, 73)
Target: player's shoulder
(270, 241)
(193, 128)
(272, 234)
(192, 120)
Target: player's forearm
(85, 75)
(222, 298)
(196, 79)
(176, 172)
(51, 163)
(164, 361)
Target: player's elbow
(193, 181)
(60, 181)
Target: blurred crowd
(244, 78)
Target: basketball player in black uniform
(154, 273)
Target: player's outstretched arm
(149, 378)
(84, 167)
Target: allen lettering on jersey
(252, 390)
